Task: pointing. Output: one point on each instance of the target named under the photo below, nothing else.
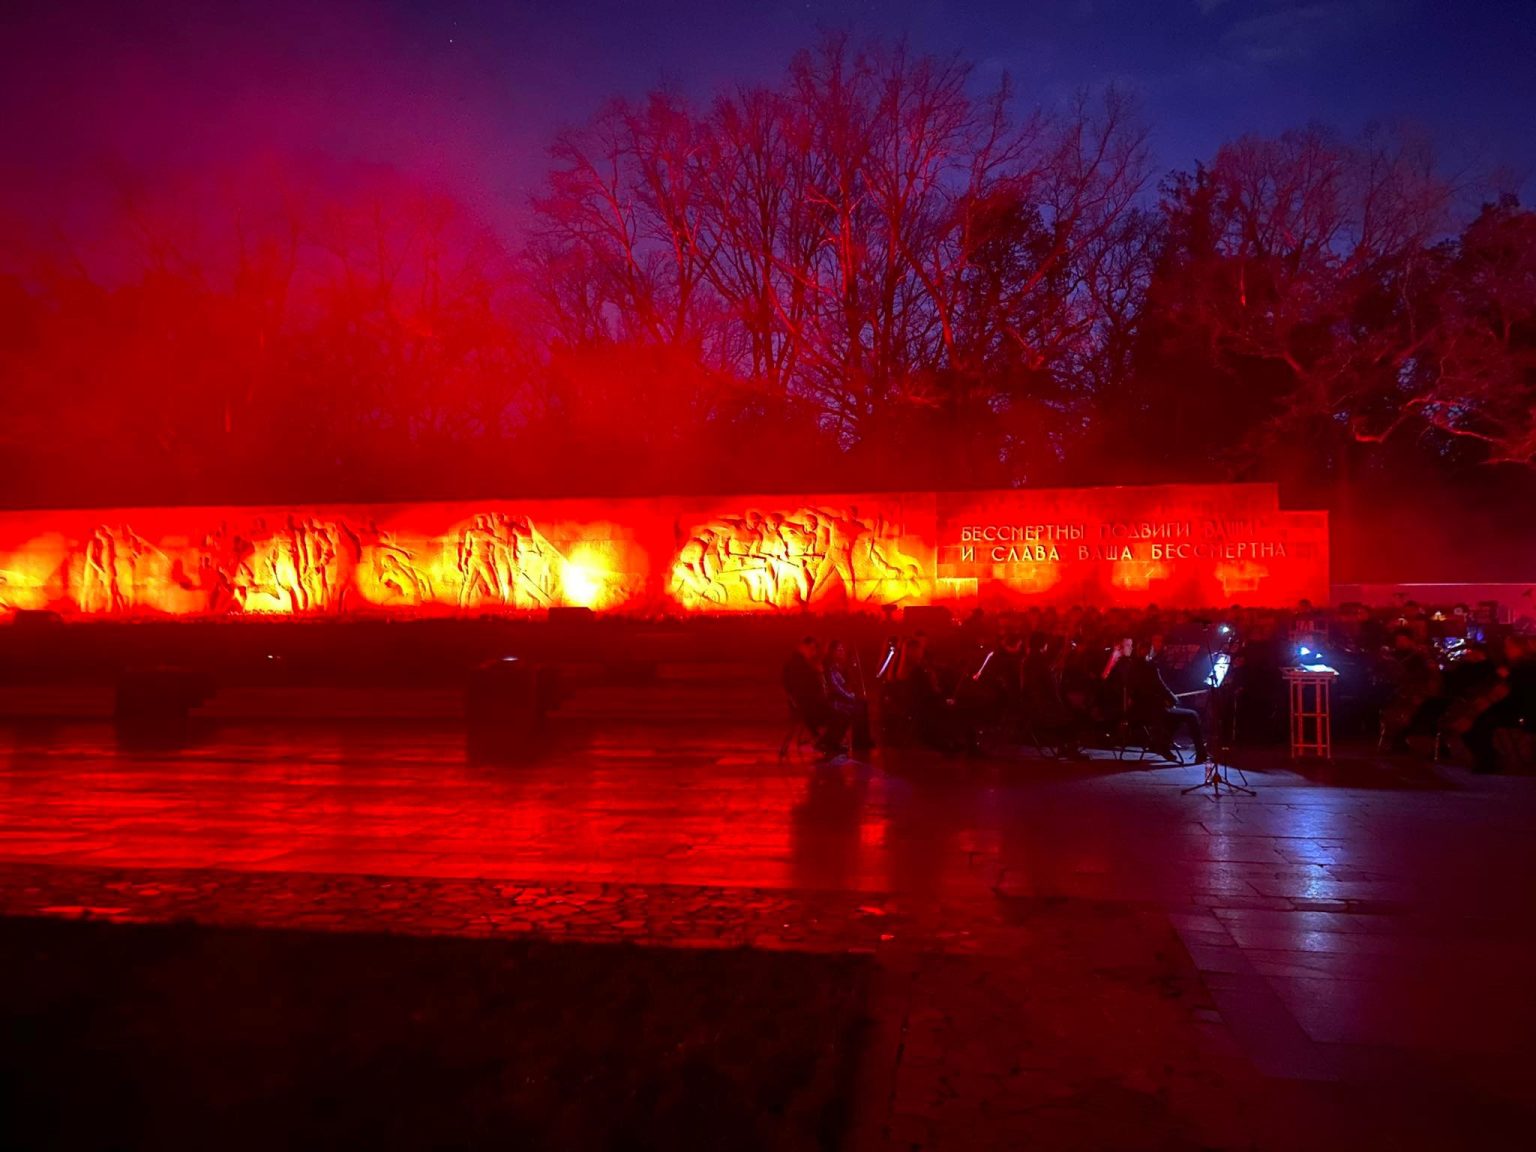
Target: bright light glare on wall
(583, 584)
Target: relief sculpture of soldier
(243, 582)
(534, 565)
(113, 572)
(283, 576)
(790, 560)
(476, 562)
(695, 574)
(835, 561)
(744, 561)
(862, 559)
(734, 559)
(218, 564)
(507, 561)
(889, 567)
(799, 540)
(319, 547)
(394, 568)
(99, 591)
(784, 551)
(270, 571)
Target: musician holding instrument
(1148, 700)
(847, 702)
(1045, 710)
(804, 682)
(1469, 683)
(1416, 681)
(1511, 704)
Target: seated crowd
(1067, 679)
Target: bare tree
(871, 237)
(1472, 377)
(1298, 262)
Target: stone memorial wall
(1177, 545)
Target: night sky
(467, 94)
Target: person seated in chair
(923, 694)
(806, 687)
(1467, 687)
(848, 704)
(1007, 669)
(1416, 681)
(1511, 706)
(1148, 701)
(1044, 710)
(982, 692)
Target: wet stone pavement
(1069, 955)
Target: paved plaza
(1068, 955)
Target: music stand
(1218, 775)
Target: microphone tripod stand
(1218, 770)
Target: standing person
(805, 683)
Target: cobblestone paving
(1069, 957)
(661, 915)
(961, 986)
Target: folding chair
(1138, 735)
(1028, 723)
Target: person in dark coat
(1134, 680)
(848, 704)
(805, 685)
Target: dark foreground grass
(180, 1036)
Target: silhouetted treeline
(872, 274)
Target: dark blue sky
(468, 93)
